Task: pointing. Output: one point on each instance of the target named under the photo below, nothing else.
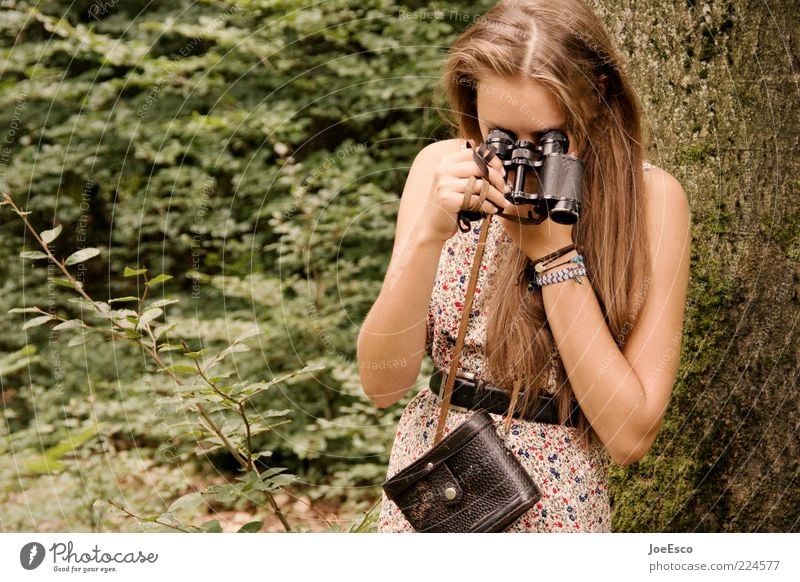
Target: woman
(611, 345)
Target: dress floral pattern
(571, 476)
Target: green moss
(696, 153)
(786, 232)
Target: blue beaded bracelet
(575, 271)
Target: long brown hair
(564, 46)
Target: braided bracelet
(577, 271)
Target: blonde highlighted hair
(564, 46)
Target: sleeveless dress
(571, 476)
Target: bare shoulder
(421, 173)
(668, 219)
(433, 152)
(662, 191)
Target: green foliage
(250, 156)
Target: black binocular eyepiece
(559, 176)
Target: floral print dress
(571, 476)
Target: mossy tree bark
(719, 85)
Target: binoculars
(559, 176)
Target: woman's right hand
(446, 197)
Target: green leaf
(212, 526)
(196, 355)
(160, 330)
(252, 527)
(163, 302)
(233, 349)
(158, 279)
(50, 461)
(33, 255)
(169, 347)
(37, 321)
(149, 315)
(66, 282)
(248, 334)
(49, 236)
(82, 255)
(78, 340)
(10, 363)
(225, 493)
(128, 272)
(191, 502)
(25, 310)
(70, 324)
(121, 299)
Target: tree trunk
(719, 89)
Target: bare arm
(624, 394)
(391, 343)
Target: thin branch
(140, 518)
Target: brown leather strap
(451, 376)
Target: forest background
(224, 177)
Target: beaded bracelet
(576, 271)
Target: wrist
(549, 252)
(573, 268)
(564, 260)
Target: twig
(133, 515)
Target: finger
(468, 191)
(497, 164)
(497, 172)
(466, 168)
(482, 165)
(497, 179)
(493, 195)
(489, 208)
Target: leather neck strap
(451, 376)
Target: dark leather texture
(488, 485)
(475, 394)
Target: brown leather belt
(470, 394)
